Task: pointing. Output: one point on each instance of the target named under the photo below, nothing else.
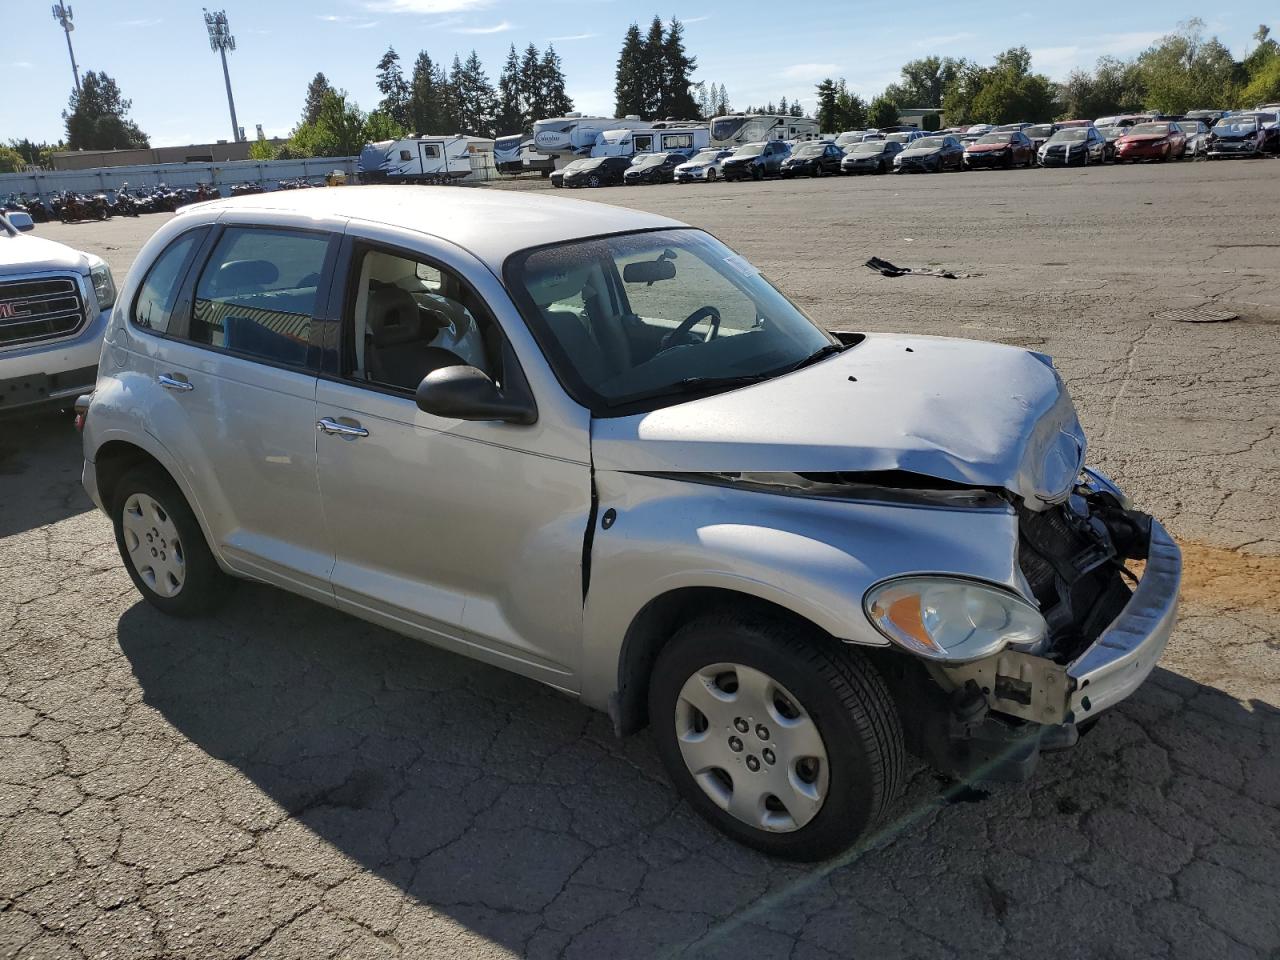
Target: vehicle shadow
(40, 463)
(512, 810)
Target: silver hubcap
(752, 747)
(153, 545)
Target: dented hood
(964, 411)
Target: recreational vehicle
(416, 160)
(506, 154)
(575, 135)
(740, 128)
(669, 137)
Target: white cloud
(425, 6)
(944, 40)
(695, 19)
(502, 27)
(356, 23)
(575, 36)
(1057, 62)
(810, 71)
(22, 64)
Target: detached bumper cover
(1109, 670)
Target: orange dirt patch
(1229, 579)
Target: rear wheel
(163, 547)
(775, 733)
(593, 180)
(711, 176)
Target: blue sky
(158, 51)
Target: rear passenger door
(237, 369)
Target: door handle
(347, 431)
(173, 383)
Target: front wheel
(756, 174)
(163, 547)
(776, 734)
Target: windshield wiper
(820, 354)
(690, 385)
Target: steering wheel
(682, 336)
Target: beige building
(192, 153)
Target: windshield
(749, 150)
(854, 136)
(706, 156)
(927, 143)
(1235, 126)
(1148, 129)
(574, 165)
(899, 137)
(724, 128)
(996, 138)
(1073, 135)
(810, 150)
(869, 148)
(607, 311)
(649, 160)
(1042, 130)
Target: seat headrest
(392, 316)
(237, 276)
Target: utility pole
(220, 39)
(62, 14)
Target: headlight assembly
(946, 618)
(103, 286)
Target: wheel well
(654, 625)
(114, 459)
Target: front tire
(777, 734)
(163, 547)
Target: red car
(1160, 140)
(1001, 149)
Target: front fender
(816, 558)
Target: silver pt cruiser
(598, 448)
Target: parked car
(905, 137)
(1207, 117)
(1040, 133)
(557, 176)
(653, 168)
(1112, 135)
(756, 160)
(1197, 134)
(1011, 127)
(598, 172)
(1008, 150)
(930, 155)
(687, 538)
(1074, 145)
(874, 156)
(813, 159)
(55, 302)
(1159, 140)
(1267, 121)
(707, 165)
(853, 137)
(1236, 135)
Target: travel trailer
(739, 128)
(573, 135)
(662, 137)
(417, 160)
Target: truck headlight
(103, 286)
(946, 618)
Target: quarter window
(154, 307)
(258, 292)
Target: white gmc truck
(54, 307)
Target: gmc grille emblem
(10, 311)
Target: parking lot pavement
(284, 781)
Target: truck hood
(960, 411)
(26, 253)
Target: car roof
(491, 224)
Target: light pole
(62, 14)
(220, 39)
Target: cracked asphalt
(284, 781)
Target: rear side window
(153, 308)
(257, 293)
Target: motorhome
(739, 128)
(573, 135)
(662, 137)
(417, 159)
(506, 153)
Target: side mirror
(464, 392)
(21, 221)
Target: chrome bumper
(1113, 666)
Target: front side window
(257, 293)
(406, 155)
(638, 318)
(154, 307)
(411, 317)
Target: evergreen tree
(555, 99)
(827, 116)
(796, 109)
(317, 90)
(654, 80)
(883, 112)
(425, 107)
(851, 111)
(535, 106)
(723, 107)
(394, 89)
(628, 88)
(450, 110)
(476, 98)
(678, 68)
(784, 106)
(511, 115)
(96, 117)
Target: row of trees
(1183, 71)
(655, 75)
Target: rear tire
(711, 176)
(163, 547)
(812, 696)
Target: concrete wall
(191, 153)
